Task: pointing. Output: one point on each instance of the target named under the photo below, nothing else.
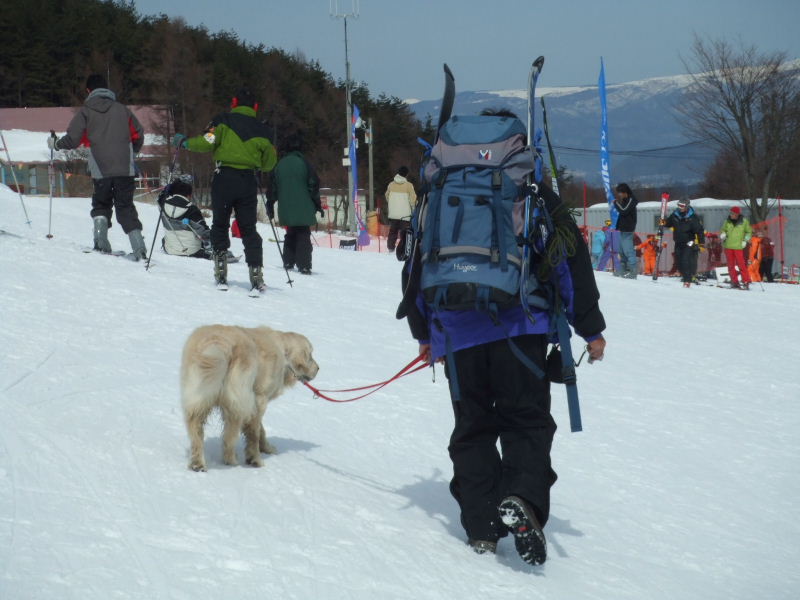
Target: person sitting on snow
(186, 232)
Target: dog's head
(299, 361)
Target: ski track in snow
(682, 485)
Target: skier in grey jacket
(114, 136)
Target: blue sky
(398, 47)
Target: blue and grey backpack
(484, 237)
(472, 226)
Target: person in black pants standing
(689, 239)
(295, 186)
(625, 203)
(240, 146)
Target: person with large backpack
(489, 281)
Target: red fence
(769, 231)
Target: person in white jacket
(400, 199)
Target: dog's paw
(254, 461)
(198, 467)
(267, 448)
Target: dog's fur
(239, 370)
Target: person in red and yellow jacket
(735, 234)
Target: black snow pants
(686, 259)
(499, 398)
(297, 247)
(116, 194)
(236, 190)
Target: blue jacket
(598, 241)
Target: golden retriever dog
(239, 370)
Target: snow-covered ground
(684, 484)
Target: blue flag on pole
(363, 234)
(605, 158)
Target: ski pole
(155, 235)
(14, 175)
(161, 207)
(51, 176)
(274, 234)
(280, 252)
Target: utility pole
(370, 140)
(336, 14)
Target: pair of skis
(660, 234)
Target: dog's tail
(204, 369)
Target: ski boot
(256, 281)
(139, 250)
(221, 270)
(100, 231)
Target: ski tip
(539, 62)
(448, 72)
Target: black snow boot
(529, 538)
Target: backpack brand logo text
(464, 268)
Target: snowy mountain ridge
(641, 116)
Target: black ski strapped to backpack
(484, 238)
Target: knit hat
(684, 203)
(244, 97)
(736, 210)
(608, 222)
(181, 188)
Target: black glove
(52, 141)
(321, 212)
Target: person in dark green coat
(240, 146)
(295, 186)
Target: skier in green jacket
(240, 146)
(735, 234)
(295, 186)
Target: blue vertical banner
(605, 157)
(363, 234)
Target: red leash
(407, 370)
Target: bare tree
(747, 104)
